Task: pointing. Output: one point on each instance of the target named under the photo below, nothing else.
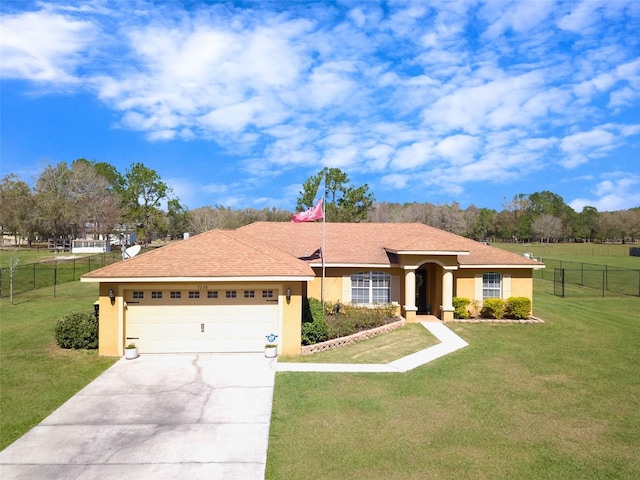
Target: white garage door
(191, 321)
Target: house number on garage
(203, 287)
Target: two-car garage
(216, 292)
(203, 318)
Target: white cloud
(43, 46)
(459, 149)
(396, 180)
(496, 104)
(454, 92)
(379, 156)
(620, 192)
(582, 146)
(521, 17)
(414, 155)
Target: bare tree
(13, 265)
(16, 208)
(547, 227)
(75, 201)
(207, 218)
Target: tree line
(89, 199)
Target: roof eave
(352, 265)
(428, 252)
(504, 265)
(275, 278)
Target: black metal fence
(46, 274)
(601, 279)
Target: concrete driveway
(158, 416)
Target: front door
(422, 300)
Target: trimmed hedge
(318, 326)
(314, 328)
(77, 330)
(518, 307)
(493, 308)
(460, 305)
(355, 318)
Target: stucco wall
(290, 331)
(521, 283)
(109, 343)
(334, 284)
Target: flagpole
(324, 229)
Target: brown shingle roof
(216, 253)
(369, 243)
(274, 249)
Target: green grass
(27, 255)
(616, 255)
(544, 401)
(36, 376)
(383, 349)
(602, 268)
(36, 272)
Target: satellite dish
(131, 252)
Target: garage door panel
(201, 328)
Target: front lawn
(541, 401)
(382, 349)
(36, 376)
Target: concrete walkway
(450, 342)
(195, 416)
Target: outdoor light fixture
(288, 294)
(112, 296)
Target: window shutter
(506, 286)
(346, 289)
(395, 289)
(478, 288)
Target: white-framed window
(249, 294)
(176, 295)
(369, 288)
(156, 294)
(267, 294)
(231, 294)
(212, 294)
(138, 295)
(194, 294)
(491, 285)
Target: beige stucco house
(226, 290)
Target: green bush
(319, 326)
(314, 332)
(460, 305)
(493, 308)
(518, 307)
(314, 328)
(77, 330)
(355, 318)
(311, 310)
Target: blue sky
(238, 103)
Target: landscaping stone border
(356, 337)
(497, 320)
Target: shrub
(314, 328)
(460, 305)
(314, 332)
(518, 307)
(493, 308)
(311, 310)
(77, 330)
(356, 318)
(475, 308)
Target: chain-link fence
(600, 279)
(46, 274)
